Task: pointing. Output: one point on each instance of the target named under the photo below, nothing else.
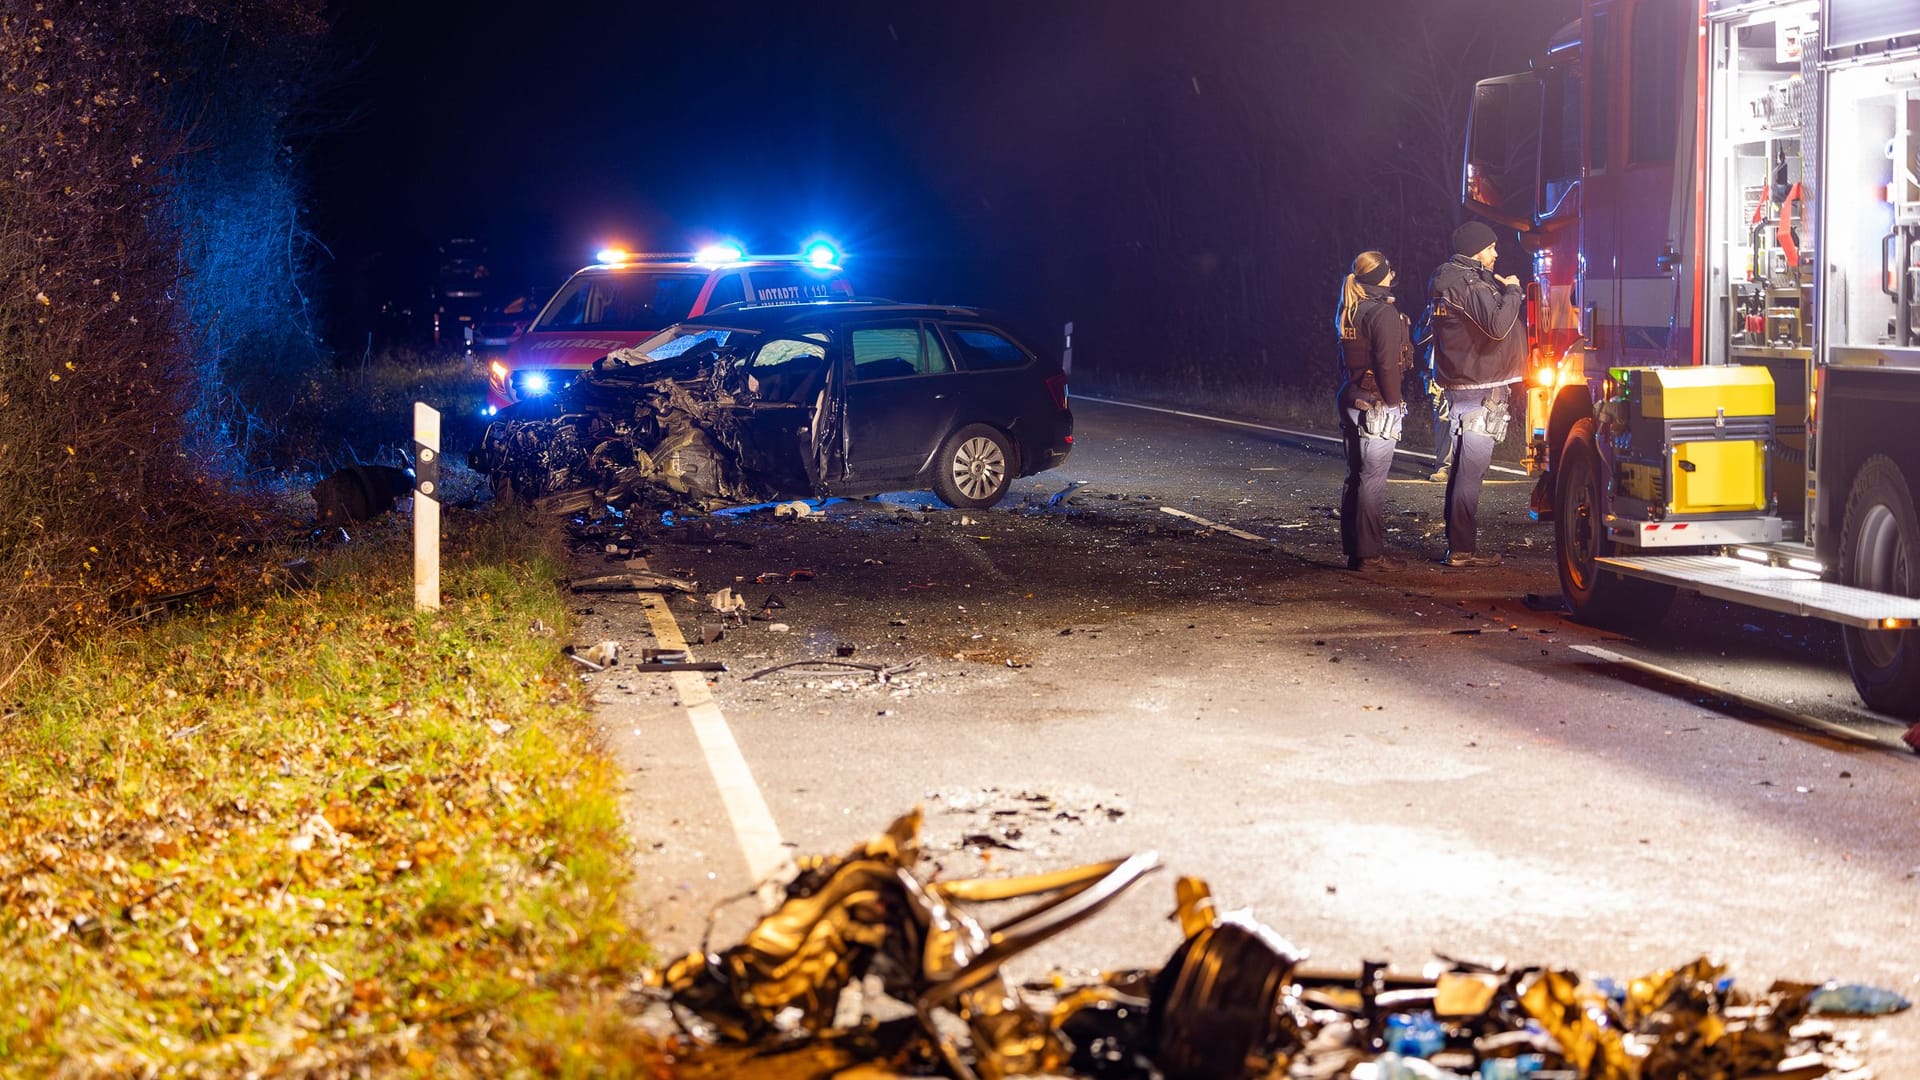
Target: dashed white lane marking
(1214, 525)
(753, 825)
(1267, 427)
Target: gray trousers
(1443, 437)
(1472, 452)
(1363, 498)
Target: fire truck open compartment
(1759, 250)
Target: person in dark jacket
(1480, 351)
(1375, 352)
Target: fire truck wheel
(1880, 550)
(974, 468)
(1580, 537)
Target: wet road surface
(1380, 766)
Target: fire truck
(1721, 199)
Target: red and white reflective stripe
(1670, 528)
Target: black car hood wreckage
(692, 431)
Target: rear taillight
(1057, 386)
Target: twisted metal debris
(1232, 1001)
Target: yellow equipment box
(1714, 390)
(1698, 443)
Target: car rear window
(981, 349)
(889, 352)
(886, 352)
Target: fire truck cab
(1722, 203)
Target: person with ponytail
(1375, 352)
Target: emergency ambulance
(625, 297)
(1722, 203)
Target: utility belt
(1382, 421)
(1493, 419)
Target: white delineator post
(426, 507)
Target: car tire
(1594, 595)
(1880, 550)
(974, 468)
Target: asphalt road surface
(1379, 766)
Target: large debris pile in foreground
(1234, 1000)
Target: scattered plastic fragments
(1853, 999)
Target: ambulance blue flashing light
(821, 255)
(535, 383)
(719, 255)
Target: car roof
(688, 263)
(819, 312)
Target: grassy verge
(319, 833)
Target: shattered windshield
(622, 302)
(680, 341)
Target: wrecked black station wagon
(751, 403)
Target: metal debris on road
(1060, 495)
(1234, 1000)
(869, 912)
(795, 509)
(881, 672)
(632, 581)
(600, 655)
(726, 601)
(1214, 525)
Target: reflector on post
(426, 507)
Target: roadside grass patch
(322, 833)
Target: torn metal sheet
(868, 913)
(1234, 1000)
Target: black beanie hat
(1472, 238)
(1376, 275)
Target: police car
(624, 298)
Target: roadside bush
(113, 483)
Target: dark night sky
(941, 144)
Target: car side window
(727, 290)
(784, 369)
(981, 349)
(886, 352)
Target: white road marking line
(1267, 427)
(1214, 525)
(753, 825)
(1759, 704)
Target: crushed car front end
(675, 431)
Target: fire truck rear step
(1775, 588)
